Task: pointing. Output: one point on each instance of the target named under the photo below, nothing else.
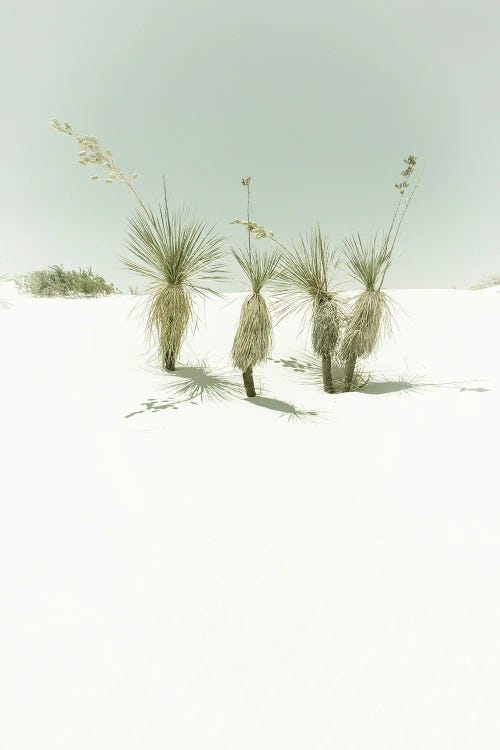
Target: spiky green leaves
(259, 267)
(173, 248)
(307, 273)
(367, 262)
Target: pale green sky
(318, 102)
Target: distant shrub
(3, 302)
(487, 282)
(55, 281)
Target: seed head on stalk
(92, 153)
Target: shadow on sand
(192, 385)
(284, 409)
(309, 368)
(407, 384)
(200, 384)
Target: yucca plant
(253, 340)
(306, 282)
(371, 310)
(180, 258)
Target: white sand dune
(304, 572)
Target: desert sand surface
(186, 569)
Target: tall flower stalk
(92, 153)
(371, 311)
(253, 340)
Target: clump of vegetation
(307, 282)
(488, 282)
(4, 304)
(341, 333)
(371, 314)
(253, 340)
(180, 258)
(55, 281)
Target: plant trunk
(349, 371)
(326, 368)
(169, 362)
(248, 382)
